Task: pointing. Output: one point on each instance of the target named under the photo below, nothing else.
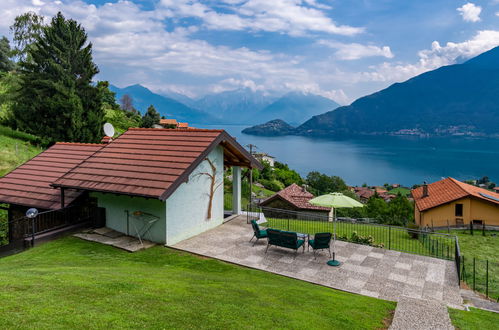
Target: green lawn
(70, 283)
(395, 238)
(14, 152)
(482, 248)
(474, 319)
(400, 190)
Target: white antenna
(109, 130)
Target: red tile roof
(150, 162)
(183, 125)
(29, 184)
(297, 196)
(168, 122)
(448, 190)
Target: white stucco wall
(116, 215)
(187, 207)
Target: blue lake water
(379, 160)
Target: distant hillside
(237, 106)
(296, 107)
(274, 127)
(461, 99)
(143, 98)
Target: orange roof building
(452, 202)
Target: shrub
(365, 240)
(410, 230)
(273, 185)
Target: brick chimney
(425, 189)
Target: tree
(322, 183)
(150, 118)
(286, 175)
(27, 28)
(126, 102)
(377, 208)
(108, 96)
(6, 63)
(56, 98)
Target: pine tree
(57, 99)
(6, 63)
(151, 117)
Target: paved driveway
(365, 270)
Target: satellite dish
(32, 213)
(109, 130)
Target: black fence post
(389, 238)
(487, 279)
(474, 270)
(32, 231)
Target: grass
(482, 248)
(70, 283)
(14, 153)
(396, 238)
(400, 190)
(474, 319)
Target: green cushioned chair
(321, 241)
(284, 239)
(257, 232)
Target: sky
(338, 49)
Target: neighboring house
(172, 123)
(451, 202)
(262, 157)
(364, 193)
(294, 198)
(168, 179)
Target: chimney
(425, 189)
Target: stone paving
(111, 237)
(365, 270)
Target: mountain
(460, 99)
(236, 106)
(296, 107)
(168, 107)
(274, 127)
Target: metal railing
(401, 239)
(480, 275)
(26, 229)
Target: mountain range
(460, 99)
(240, 106)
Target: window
(459, 210)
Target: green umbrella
(334, 201)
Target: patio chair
(285, 239)
(321, 241)
(257, 232)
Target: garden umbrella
(334, 201)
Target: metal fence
(401, 239)
(23, 231)
(480, 275)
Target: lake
(379, 160)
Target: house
(263, 157)
(364, 193)
(163, 182)
(294, 198)
(452, 202)
(173, 123)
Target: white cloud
(294, 17)
(470, 12)
(355, 51)
(434, 57)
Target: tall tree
(108, 96)
(57, 99)
(151, 117)
(126, 102)
(26, 29)
(6, 63)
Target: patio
(369, 271)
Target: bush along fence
(401, 239)
(480, 275)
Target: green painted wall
(116, 215)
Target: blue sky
(338, 49)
